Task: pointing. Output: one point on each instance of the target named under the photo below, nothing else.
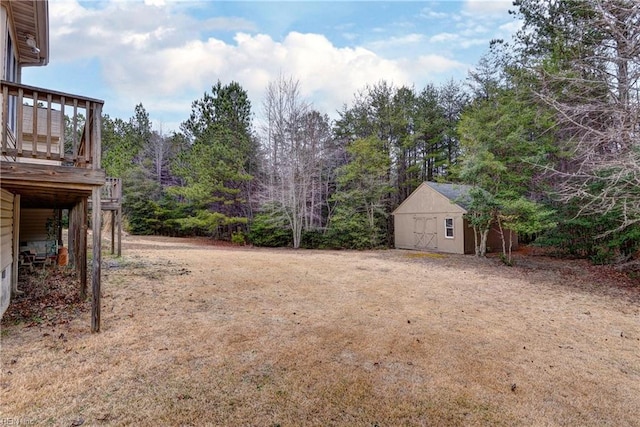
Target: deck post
(78, 243)
(16, 244)
(72, 236)
(95, 115)
(119, 221)
(82, 245)
(113, 232)
(97, 258)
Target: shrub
(270, 231)
(238, 238)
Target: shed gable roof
(457, 193)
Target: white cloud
(397, 41)
(487, 7)
(444, 38)
(429, 13)
(156, 53)
(511, 27)
(328, 75)
(157, 3)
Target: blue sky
(166, 54)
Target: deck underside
(49, 186)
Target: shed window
(448, 228)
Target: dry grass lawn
(198, 334)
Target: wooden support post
(97, 258)
(113, 231)
(73, 224)
(96, 201)
(82, 246)
(119, 221)
(16, 244)
(59, 227)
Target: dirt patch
(199, 334)
(48, 296)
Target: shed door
(425, 232)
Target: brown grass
(195, 334)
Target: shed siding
(427, 207)
(469, 239)
(6, 248)
(409, 233)
(426, 200)
(494, 240)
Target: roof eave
(30, 17)
(42, 30)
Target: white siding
(33, 224)
(6, 247)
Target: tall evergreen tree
(504, 136)
(214, 167)
(361, 216)
(583, 60)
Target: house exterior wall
(34, 235)
(33, 225)
(7, 51)
(6, 248)
(420, 222)
(27, 123)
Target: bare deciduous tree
(591, 78)
(293, 139)
(159, 150)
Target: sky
(166, 54)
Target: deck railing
(43, 126)
(112, 190)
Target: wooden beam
(59, 226)
(62, 126)
(96, 225)
(119, 221)
(34, 130)
(50, 175)
(95, 153)
(5, 119)
(113, 232)
(73, 238)
(16, 244)
(82, 245)
(110, 205)
(84, 225)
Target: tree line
(545, 128)
(296, 178)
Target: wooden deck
(111, 201)
(50, 154)
(112, 194)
